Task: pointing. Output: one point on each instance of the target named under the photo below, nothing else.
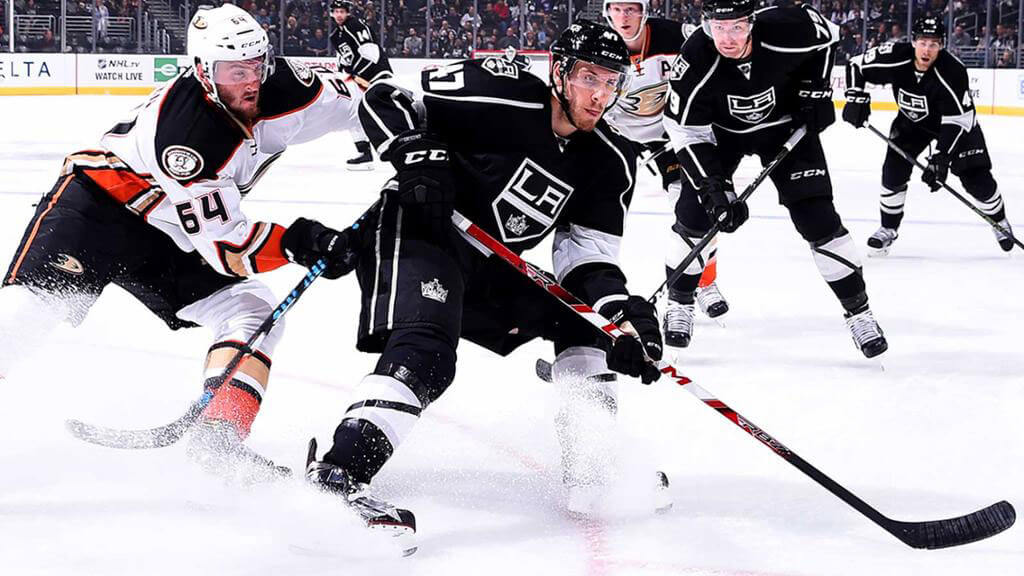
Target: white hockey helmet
(645, 8)
(226, 34)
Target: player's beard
(584, 113)
(242, 103)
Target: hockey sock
(681, 242)
(839, 264)
(237, 404)
(983, 188)
(707, 278)
(891, 206)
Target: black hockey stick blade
(972, 527)
(159, 437)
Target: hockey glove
(425, 184)
(632, 354)
(815, 107)
(306, 241)
(719, 200)
(858, 107)
(935, 173)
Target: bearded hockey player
(742, 86)
(156, 210)
(425, 287)
(653, 44)
(933, 95)
(359, 55)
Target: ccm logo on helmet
(807, 174)
(421, 155)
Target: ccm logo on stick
(807, 174)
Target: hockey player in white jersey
(654, 44)
(156, 210)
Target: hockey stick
(787, 147)
(949, 189)
(929, 534)
(168, 434)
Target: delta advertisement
(994, 91)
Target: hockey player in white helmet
(155, 209)
(654, 44)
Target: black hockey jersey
(359, 52)
(519, 181)
(711, 93)
(637, 114)
(938, 101)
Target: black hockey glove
(630, 354)
(858, 107)
(935, 173)
(306, 241)
(815, 107)
(719, 201)
(425, 184)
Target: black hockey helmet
(727, 9)
(343, 4)
(930, 27)
(587, 41)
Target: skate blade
(403, 537)
(878, 252)
(365, 167)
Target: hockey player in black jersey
(933, 95)
(741, 87)
(360, 55)
(653, 45)
(522, 160)
(156, 209)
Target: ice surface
(938, 433)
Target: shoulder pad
(194, 137)
(491, 77)
(666, 36)
(794, 29)
(696, 56)
(292, 85)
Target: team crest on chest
(530, 203)
(913, 106)
(345, 56)
(752, 109)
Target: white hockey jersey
(184, 163)
(637, 114)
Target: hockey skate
(678, 324)
(216, 447)
(378, 515)
(364, 161)
(881, 241)
(867, 335)
(1005, 240)
(711, 301)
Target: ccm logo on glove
(418, 156)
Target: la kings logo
(911, 105)
(752, 109)
(345, 56)
(530, 203)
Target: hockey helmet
(226, 34)
(727, 9)
(586, 41)
(644, 11)
(346, 5)
(929, 27)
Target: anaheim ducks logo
(649, 101)
(68, 264)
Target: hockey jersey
(183, 163)
(937, 101)
(359, 52)
(519, 181)
(713, 94)
(637, 114)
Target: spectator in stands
(961, 38)
(511, 39)
(318, 43)
(1006, 59)
(292, 42)
(502, 15)
(470, 19)
(100, 18)
(412, 47)
(897, 33)
(275, 39)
